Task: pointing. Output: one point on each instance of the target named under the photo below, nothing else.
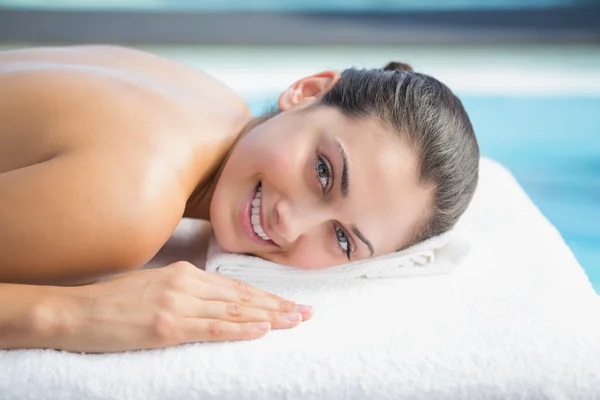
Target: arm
(28, 316)
(83, 215)
(141, 310)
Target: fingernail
(304, 309)
(293, 316)
(261, 326)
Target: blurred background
(528, 71)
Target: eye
(342, 241)
(323, 172)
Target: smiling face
(313, 188)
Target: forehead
(386, 201)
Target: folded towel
(518, 320)
(437, 255)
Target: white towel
(517, 320)
(438, 255)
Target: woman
(104, 149)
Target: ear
(308, 90)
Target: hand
(169, 306)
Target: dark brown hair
(433, 121)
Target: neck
(198, 204)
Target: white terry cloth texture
(517, 320)
(438, 255)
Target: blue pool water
(552, 146)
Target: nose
(292, 221)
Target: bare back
(100, 148)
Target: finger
(240, 292)
(236, 284)
(234, 312)
(241, 295)
(212, 330)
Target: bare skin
(102, 151)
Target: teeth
(264, 237)
(255, 216)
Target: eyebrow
(345, 187)
(345, 181)
(362, 237)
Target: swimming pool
(552, 146)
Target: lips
(256, 214)
(252, 218)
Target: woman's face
(313, 188)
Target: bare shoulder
(135, 61)
(57, 99)
(100, 148)
(84, 214)
(54, 99)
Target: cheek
(265, 149)
(277, 150)
(283, 164)
(280, 168)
